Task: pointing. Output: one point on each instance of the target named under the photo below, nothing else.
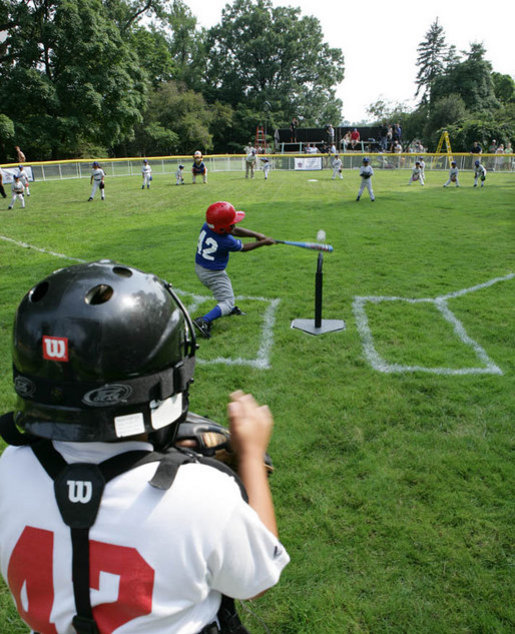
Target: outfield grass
(394, 489)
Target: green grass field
(393, 442)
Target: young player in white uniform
(24, 178)
(179, 178)
(453, 175)
(146, 172)
(417, 174)
(97, 180)
(161, 551)
(266, 166)
(479, 173)
(337, 167)
(17, 192)
(366, 172)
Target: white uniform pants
(219, 283)
(96, 185)
(336, 172)
(146, 180)
(366, 182)
(420, 178)
(457, 183)
(17, 197)
(266, 169)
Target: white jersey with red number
(159, 559)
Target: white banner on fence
(8, 173)
(311, 163)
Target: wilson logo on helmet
(55, 348)
(107, 395)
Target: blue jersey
(198, 168)
(213, 249)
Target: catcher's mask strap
(11, 434)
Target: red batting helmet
(221, 216)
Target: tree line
(83, 78)
(458, 92)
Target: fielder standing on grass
(366, 172)
(417, 174)
(17, 189)
(337, 167)
(479, 173)
(146, 172)
(215, 243)
(97, 180)
(453, 175)
(24, 178)
(119, 529)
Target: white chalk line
(262, 359)
(46, 251)
(380, 364)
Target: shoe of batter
(237, 311)
(203, 327)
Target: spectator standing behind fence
(146, 172)
(476, 148)
(97, 180)
(293, 130)
(499, 161)
(354, 138)
(17, 192)
(330, 134)
(383, 138)
(20, 156)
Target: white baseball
(321, 235)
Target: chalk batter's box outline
(262, 359)
(381, 365)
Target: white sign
(8, 173)
(311, 163)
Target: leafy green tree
(445, 111)
(504, 87)
(69, 78)
(430, 61)
(260, 54)
(471, 79)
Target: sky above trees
(379, 40)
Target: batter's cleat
(90, 199)
(9, 207)
(237, 311)
(357, 199)
(203, 327)
(372, 200)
